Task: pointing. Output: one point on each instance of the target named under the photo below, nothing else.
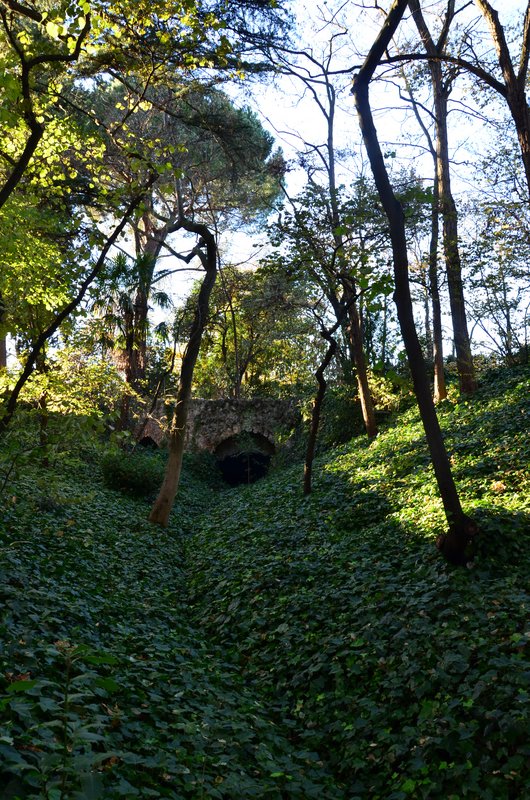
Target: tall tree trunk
(149, 241)
(384, 333)
(166, 497)
(429, 349)
(440, 391)
(139, 349)
(464, 358)
(441, 90)
(355, 327)
(461, 528)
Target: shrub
(132, 471)
(341, 416)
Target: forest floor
(270, 645)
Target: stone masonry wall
(210, 422)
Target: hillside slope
(269, 645)
(410, 678)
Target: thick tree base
(456, 545)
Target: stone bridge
(242, 434)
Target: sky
(292, 116)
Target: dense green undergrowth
(269, 645)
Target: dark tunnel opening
(148, 443)
(244, 468)
(244, 458)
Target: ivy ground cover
(268, 645)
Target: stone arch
(214, 421)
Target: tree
(498, 255)
(228, 174)
(318, 76)
(515, 78)
(206, 251)
(441, 88)
(125, 39)
(514, 71)
(320, 375)
(432, 285)
(259, 338)
(36, 50)
(60, 315)
(461, 528)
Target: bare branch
(479, 72)
(26, 11)
(525, 49)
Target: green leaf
(109, 684)
(52, 29)
(17, 687)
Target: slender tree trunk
(316, 411)
(461, 528)
(166, 497)
(3, 343)
(356, 339)
(464, 358)
(355, 327)
(42, 405)
(441, 90)
(429, 351)
(128, 353)
(148, 241)
(440, 390)
(139, 348)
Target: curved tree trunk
(461, 528)
(315, 413)
(164, 503)
(319, 398)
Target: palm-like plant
(122, 316)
